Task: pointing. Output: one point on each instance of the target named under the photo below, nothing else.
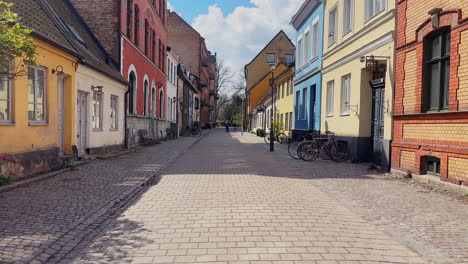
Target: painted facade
(431, 93)
(172, 95)
(135, 40)
(308, 22)
(258, 69)
(284, 103)
(359, 48)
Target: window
(290, 120)
(37, 94)
(5, 99)
(345, 94)
(373, 7)
(169, 109)
(137, 24)
(299, 52)
(145, 97)
(298, 105)
(282, 119)
(306, 47)
(282, 90)
(160, 55)
(97, 111)
(431, 165)
(197, 103)
(289, 58)
(437, 70)
(114, 107)
(146, 38)
(291, 87)
(332, 26)
(286, 122)
(129, 19)
(153, 47)
(348, 11)
(271, 58)
(315, 40)
(330, 97)
(161, 103)
(304, 104)
(131, 93)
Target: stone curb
(40, 177)
(106, 215)
(435, 182)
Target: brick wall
(444, 134)
(104, 25)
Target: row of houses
(109, 75)
(388, 77)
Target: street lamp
(271, 59)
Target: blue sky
(190, 9)
(236, 30)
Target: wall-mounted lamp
(97, 89)
(58, 70)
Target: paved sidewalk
(45, 221)
(230, 201)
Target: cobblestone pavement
(46, 221)
(231, 201)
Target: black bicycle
(324, 146)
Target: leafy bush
(9, 169)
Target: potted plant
(9, 169)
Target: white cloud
(240, 35)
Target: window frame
(307, 46)
(9, 119)
(129, 18)
(35, 121)
(330, 97)
(161, 103)
(334, 10)
(374, 12)
(304, 103)
(145, 96)
(93, 120)
(345, 107)
(315, 39)
(300, 51)
(444, 36)
(114, 107)
(351, 17)
(136, 30)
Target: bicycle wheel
(292, 149)
(196, 133)
(338, 151)
(308, 151)
(267, 138)
(282, 138)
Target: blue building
(308, 22)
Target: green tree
(15, 43)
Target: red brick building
(198, 60)
(431, 89)
(136, 40)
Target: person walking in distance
(226, 124)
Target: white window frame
(307, 45)
(330, 97)
(114, 113)
(372, 12)
(315, 38)
(161, 103)
(36, 69)
(345, 94)
(6, 80)
(332, 35)
(349, 9)
(305, 100)
(146, 91)
(97, 127)
(300, 51)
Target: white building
(261, 114)
(172, 91)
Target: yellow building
(284, 105)
(39, 124)
(358, 68)
(258, 69)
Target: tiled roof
(34, 17)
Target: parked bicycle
(294, 145)
(192, 132)
(279, 135)
(324, 146)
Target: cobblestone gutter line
(74, 241)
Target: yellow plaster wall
(285, 104)
(358, 122)
(20, 136)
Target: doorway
(378, 107)
(81, 119)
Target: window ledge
(329, 115)
(346, 33)
(345, 114)
(7, 123)
(113, 130)
(97, 129)
(38, 123)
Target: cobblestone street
(228, 199)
